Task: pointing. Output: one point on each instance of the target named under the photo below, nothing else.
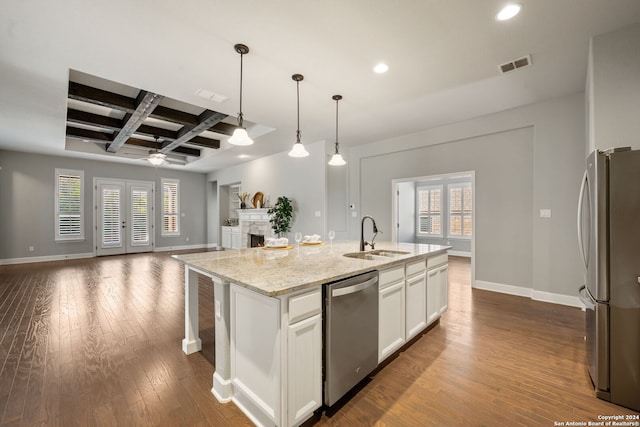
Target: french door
(124, 216)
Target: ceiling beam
(207, 119)
(151, 144)
(84, 118)
(145, 104)
(96, 96)
(89, 135)
(205, 142)
(223, 128)
(114, 125)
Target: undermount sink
(375, 254)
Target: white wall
(614, 89)
(556, 164)
(302, 180)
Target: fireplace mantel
(253, 214)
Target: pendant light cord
(240, 118)
(298, 99)
(337, 100)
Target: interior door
(124, 217)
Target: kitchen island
(268, 317)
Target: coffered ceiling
(443, 58)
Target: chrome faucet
(363, 242)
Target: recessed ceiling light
(243, 156)
(509, 11)
(381, 68)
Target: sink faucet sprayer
(363, 242)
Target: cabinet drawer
(305, 305)
(389, 276)
(417, 267)
(437, 260)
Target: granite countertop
(274, 272)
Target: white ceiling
(443, 58)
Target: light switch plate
(545, 213)
(317, 213)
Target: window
(170, 207)
(460, 210)
(68, 205)
(430, 210)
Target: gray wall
(613, 88)
(27, 187)
(549, 137)
(302, 180)
(406, 212)
(503, 163)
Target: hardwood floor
(98, 342)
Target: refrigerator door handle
(585, 182)
(586, 300)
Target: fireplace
(256, 240)
(254, 226)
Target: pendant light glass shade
(240, 135)
(336, 159)
(298, 149)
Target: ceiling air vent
(525, 61)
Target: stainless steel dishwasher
(351, 333)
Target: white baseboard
(180, 248)
(47, 258)
(503, 289)
(557, 299)
(459, 253)
(568, 300)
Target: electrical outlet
(31, 248)
(187, 238)
(317, 213)
(545, 213)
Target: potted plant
(280, 216)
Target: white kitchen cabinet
(304, 356)
(226, 237)
(274, 339)
(304, 369)
(433, 295)
(437, 286)
(443, 272)
(416, 299)
(391, 311)
(231, 237)
(236, 240)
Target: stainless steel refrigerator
(609, 238)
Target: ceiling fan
(156, 158)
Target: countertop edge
(280, 292)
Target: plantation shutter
(139, 217)
(430, 210)
(170, 208)
(111, 219)
(69, 221)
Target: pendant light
(298, 149)
(240, 135)
(336, 159)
